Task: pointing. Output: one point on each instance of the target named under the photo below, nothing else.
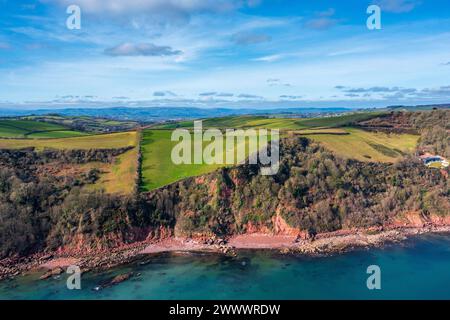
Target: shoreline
(324, 244)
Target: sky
(224, 53)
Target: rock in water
(53, 272)
(121, 278)
(116, 280)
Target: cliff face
(314, 192)
(43, 204)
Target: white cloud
(398, 6)
(249, 96)
(271, 58)
(210, 63)
(323, 20)
(250, 38)
(119, 7)
(208, 94)
(141, 49)
(166, 93)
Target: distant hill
(420, 107)
(164, 113)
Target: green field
(274, 123)
(117, 177)
(14, 128)
(334, 133)
(86, 124)
(101, 141)
(339, 121)
(364, 145)
(158, 168)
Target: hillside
(105, 141)
(314, 192)
(81, 194)
(341, 134)
(273, 122)
(158, 169)
(86, 124)
(22, 128)
(433, 126)
(118, 175)
(362, 145)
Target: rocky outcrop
(281, 227)
(418, 220)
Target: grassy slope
(332, 132)
(118, 177)
(225, 122)
(34, 129)
(122, 176)
(274, 123)
(357, 144)
(368, 146)
(7, 131)
(338, 121)
(91, 124)
(104, 141)
(56, 134)
(157, 167)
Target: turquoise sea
(418, 268)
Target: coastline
(323, 244)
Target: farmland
(18, 128)
(116, 177)
(85, 124)
(103, 141)
(334, 133)
(274, 123)
(364, 145)
(158, 168)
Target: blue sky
(219, 53)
